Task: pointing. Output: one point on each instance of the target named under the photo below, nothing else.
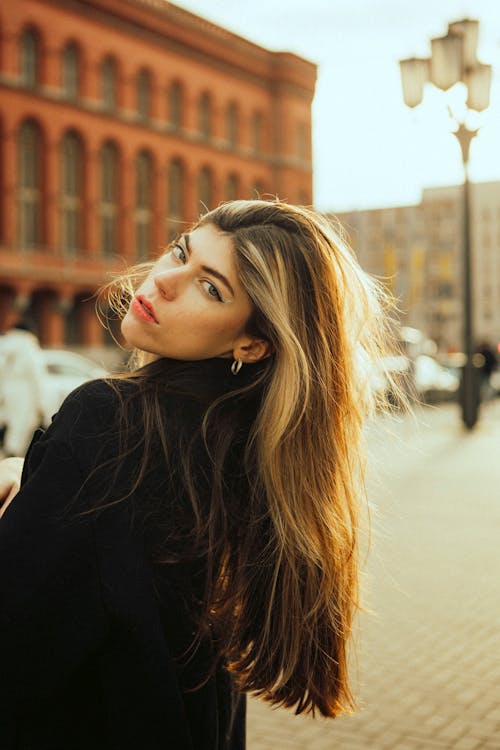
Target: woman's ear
(251, 349)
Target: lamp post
(454, 60)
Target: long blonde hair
(282, 594)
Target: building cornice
(188, 34)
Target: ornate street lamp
(454, 60)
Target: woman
(187, 533)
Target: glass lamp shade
(447, 60)
(414, 73)
(469, 29)
(478, 80)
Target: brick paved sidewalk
(429, 656)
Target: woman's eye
(179, 253)
(212, 290)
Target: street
(428, 650)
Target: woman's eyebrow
(209, 269)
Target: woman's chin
(130, 333)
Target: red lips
(143, 309)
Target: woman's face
(192, 305)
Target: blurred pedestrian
(488, 364)
(21, 377)
(187, 532)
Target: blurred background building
(120, 122)
(418, 250)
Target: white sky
(369, 149)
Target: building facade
(417, 251)
(121, 121)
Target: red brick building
(119, 121)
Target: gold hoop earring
(236, 366)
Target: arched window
(205, 189)
(29, 195)
(175, 105)
(143, 95)
(143, 195)
(232, 124)
(175, 206)
(231, 189)
(72, 320)
(70, 71)
(205, 115)
(256, 128)
(108, 84)
(71, 192)
(109, 198)
(30, 62)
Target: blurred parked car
(423, 378)
(64, 371)
(433, 381)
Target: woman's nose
(168, 282)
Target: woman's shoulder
(92, 408)
(87, 424)
(101, 392)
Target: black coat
(91, 627)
